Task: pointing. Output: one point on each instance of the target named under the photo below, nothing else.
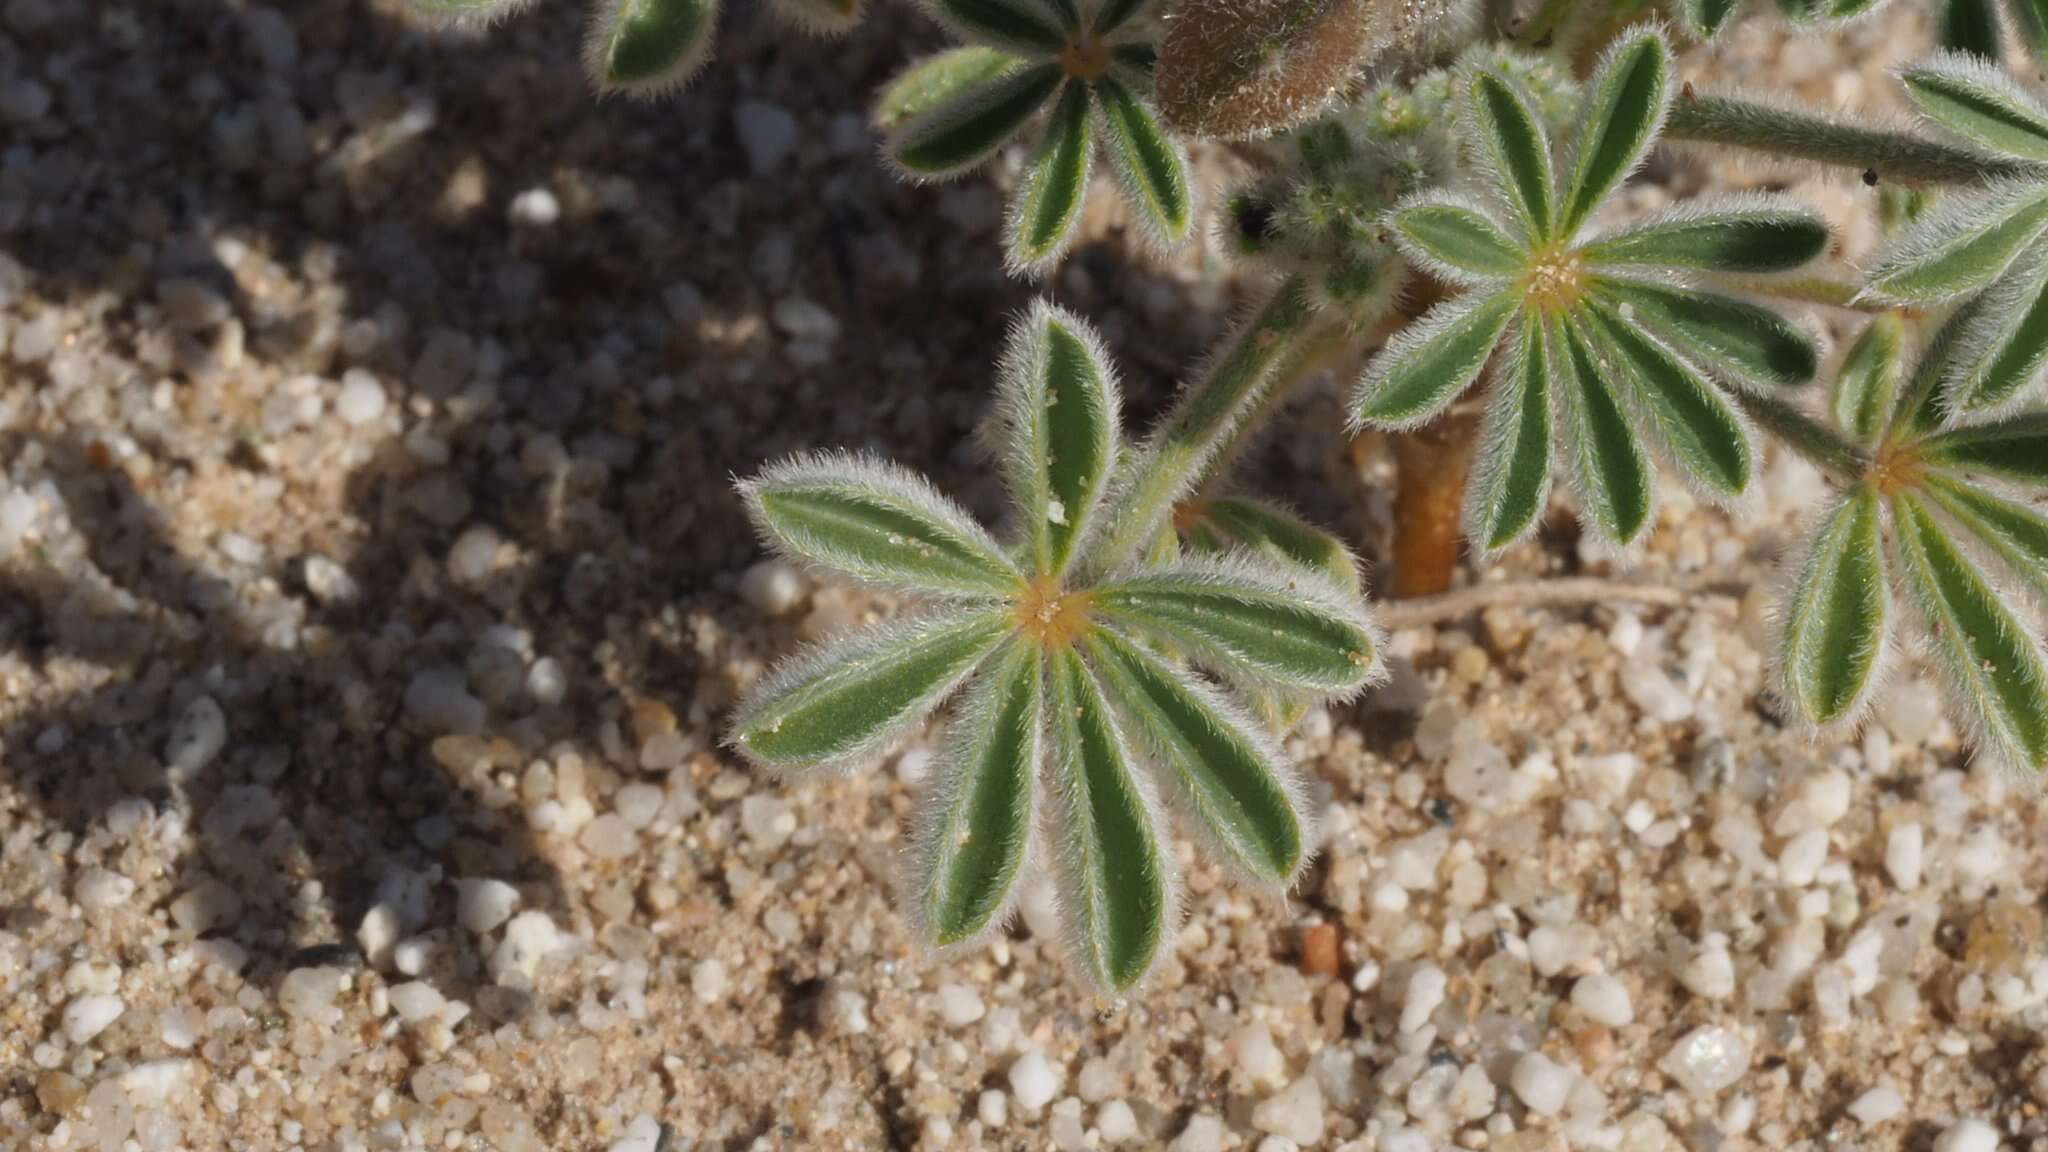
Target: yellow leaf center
(1555, 280)
(1050, 616)
(1085, 58)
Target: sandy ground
(372, 592)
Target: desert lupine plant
(651, 47)
(1086, 73)
(1605, 338)
(1095, 680)
(1946, 510)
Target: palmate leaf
(1740, 342)
(975, 819)
(1511, 146)
(1259, 623)
(1867, 386)
(955, 136)
(1455, 241)
(1603, 458)
(877, 523)
(2017, 534)
(1624, 108)
(939, 79)
(1993, 661)
(1116, 881)
(1977, 101)
(1511, 472)
(1430, 363)
(2015, 450)
(1058, 400)
(1213, 760)
(1836, 623)
(1150, 168)
(1048, 201)
(847, 702)
(1020, 26)
(1219, 527)
(1703, 435)
(647, 47)
(1747, 234)
(2004, 350)
(1966, 242)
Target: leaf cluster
(1095, 692)
(1084, 75)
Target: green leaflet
(1059, 404)
(1742, 341)
(975, 825)
(2019, 535)
(1215, 761)
(1705, 438)
(1704, 18)
(849, 701)
(2032, 18)
(1429, 363)
(1734, 240)
(2010, 338)
(1993, 660)
(1136, 63)
(1920, 408)
(1048, 200)
(1510, 141)
(1835, 624)
(1867, 386)
(1967, 245)
(2015, 449)
(877, 523)
(1150, 169)
(1969, 26)
(1511, 476)
(1017, 25)
(651, 44)
(1262, 528)
(1624, 105)
(968, 129)
(1460, 240)
(1281, 627)
(939, 79)
(1977, 102)
(1819, 442)
(1111, 15)
(1116, 890)
(1607, 468)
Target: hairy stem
(1429, 610)
(1317, 349)
(1200, 425)
(1802, 135)
(1823, 290)
(1430, 465)
(1818, 443)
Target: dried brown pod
(1232, 69)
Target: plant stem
(1803, 135)
(1316, 349)
(1822, 290)
(1819, 444)
(1428, 610)
(1430, 464)
(1201, 424)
